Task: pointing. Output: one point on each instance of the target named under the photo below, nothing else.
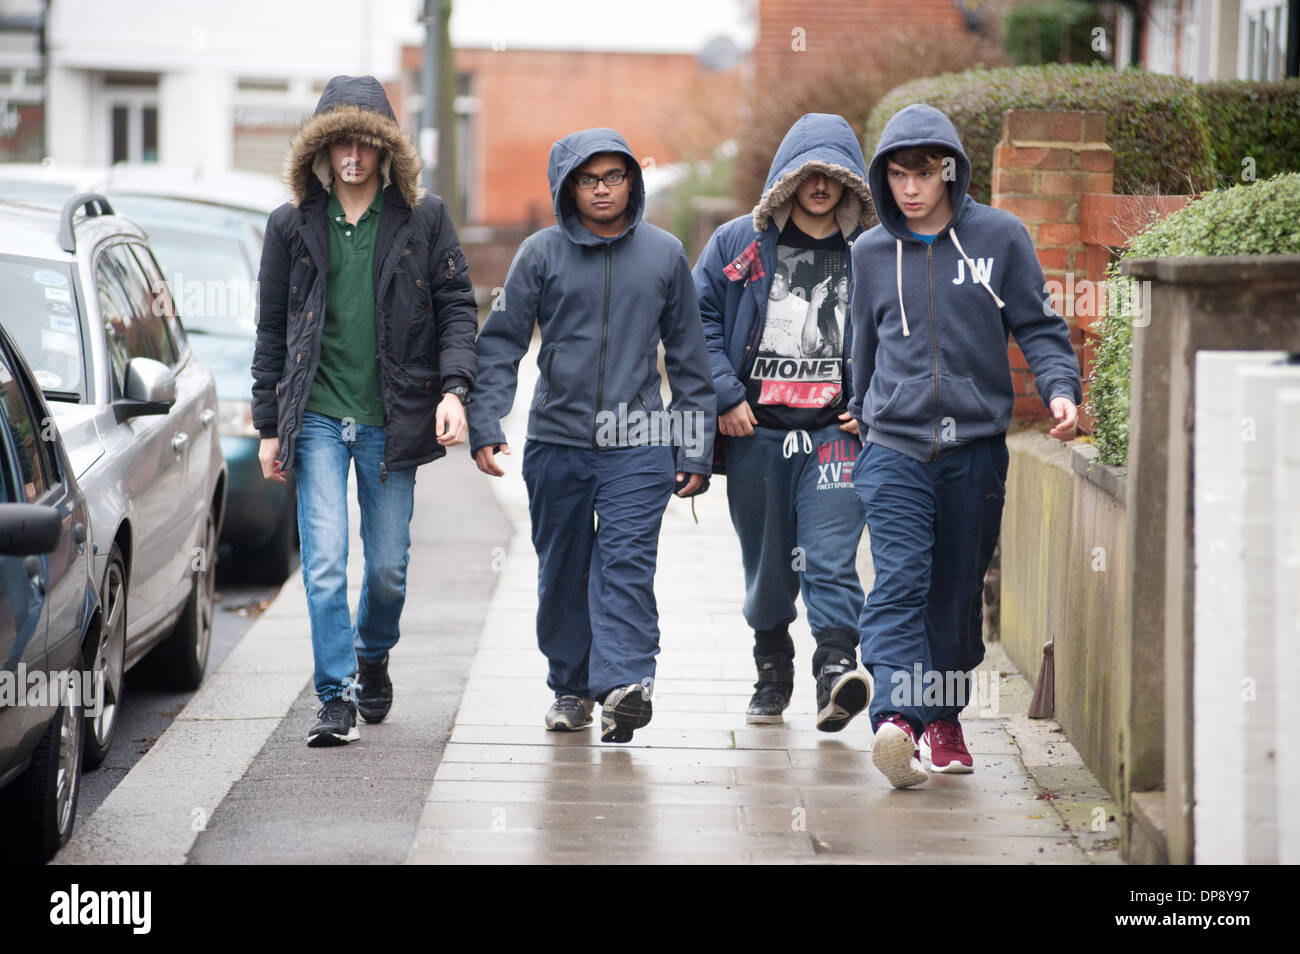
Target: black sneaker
(376, 695)
(624, 709)
(772, 691)
(843, 691)
(337, 725)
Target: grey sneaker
(569, 712)
(843, 691)
(337, 725)
(624, 710)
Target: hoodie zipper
(604, 334)
(934, 334)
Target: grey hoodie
(603, 305)
(931, 323)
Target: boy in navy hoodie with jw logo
(939, 285)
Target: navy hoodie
(602, 305)
(931, 322)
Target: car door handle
(33, 567)
(179, 441)
(207, 417)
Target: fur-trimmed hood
(817, 143)
(353, 107)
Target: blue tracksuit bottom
(933, 525)
(799, 522)
(595, 525)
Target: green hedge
(1154, 123)
(1256, 121)
(1057, 32)
(1262, 218)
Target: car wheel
(105, 659)
(40, 806)
(182, 658)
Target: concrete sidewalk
(232, 780)
(699, 784)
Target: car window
(150, 321)
(121, 330)
(24, 436)
(164, 304)
(40, 311)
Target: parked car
(50, 621)
(87, 303)
(209, 256)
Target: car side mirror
(28, 529)
(150, 389)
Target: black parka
(425, 313)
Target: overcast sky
(677, 26)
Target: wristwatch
(460, 392)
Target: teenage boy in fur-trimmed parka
(939, 285)
(773, 289)
(364, 357)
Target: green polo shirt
(347, 378)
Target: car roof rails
(94, 204)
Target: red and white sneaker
(894, 753)
(944, 749)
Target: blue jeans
(933, 527)
(596, 517)
(799, 521)
(326, 448)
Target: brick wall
(826, 26)
(529, 98)
(1044, 164)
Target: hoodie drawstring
(790, 446)
(898, 280)
(971, 265)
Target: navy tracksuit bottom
(595, 524)
(933, 526)
(799, 521)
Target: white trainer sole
(894, 753)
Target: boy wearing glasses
(603, 454)
(939, 285)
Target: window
(25, 437)
(148, 314)
(161, 302)
(120, 328)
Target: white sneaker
(894, 752)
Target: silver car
(83, 296)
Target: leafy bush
(1262, 218)
(1057, 32)
(1154, 123)
(1252, 121)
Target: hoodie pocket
(909, 409)
(967, 407)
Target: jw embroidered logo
(983, 268)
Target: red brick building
(514, 104)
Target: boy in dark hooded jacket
(772, 288)
(604, 288)
(932, 393)
(364, 357)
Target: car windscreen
(211, 279)
(39, 308)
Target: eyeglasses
(610, 179)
